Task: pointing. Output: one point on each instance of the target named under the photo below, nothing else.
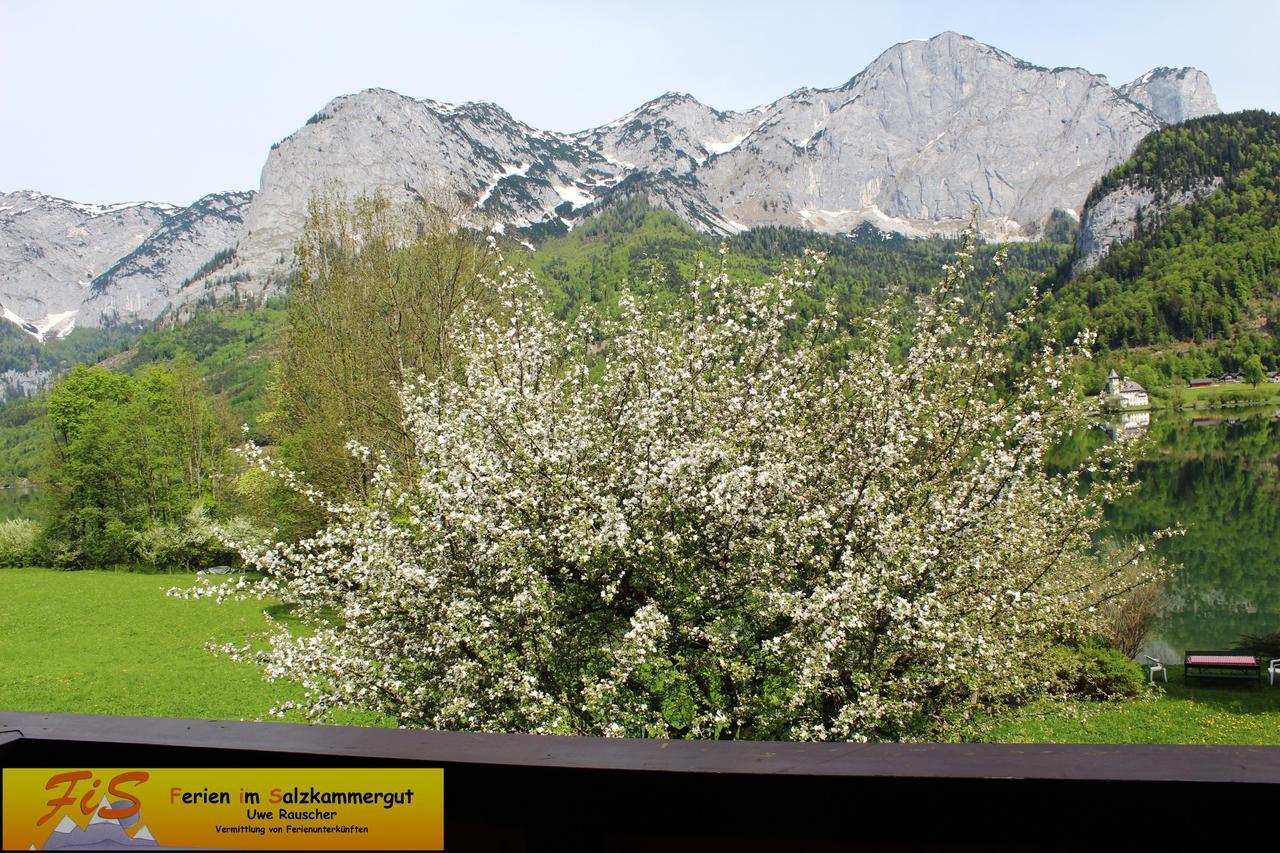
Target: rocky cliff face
(23, 383)
(1117, 215)
(675, 133)
(161, 269)
(1173, 94)
(406, 148)
(927, 134)
(51, 250)
(64, 264)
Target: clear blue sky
(115, 101)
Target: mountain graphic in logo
(101, 833)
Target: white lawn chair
(1154, 665)
(1272, 669)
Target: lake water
(22, 502)
(1218, 477)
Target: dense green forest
(635, 244)
(138, 466)
(1197, 291)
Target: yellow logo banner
(249, 809)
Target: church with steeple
(1125, 393)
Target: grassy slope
(1217, 396)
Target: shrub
(1262, 645)
(18, 542)
(194, 542)
(58, 553)
(708, 518)
(1129, 617)
(1096, 671)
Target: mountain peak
(953, 37)
(947, 49)
(672, 98)
(374, 94)
(1173, 94)
(82, 207)
(662, 104)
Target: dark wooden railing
(525, 792)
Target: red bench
(1217, 664)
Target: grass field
(1206, 711)
(112, 643)
(1216, 396)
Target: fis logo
(80, 789)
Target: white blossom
(710, 520)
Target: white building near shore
(1126, 393)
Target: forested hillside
(634, 243)
(21, 352)
(231, 351)
(1197, 290)
(234, 351)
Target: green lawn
(112, 643)
(1206, 711)
(1217, 396)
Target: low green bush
(59, 554)
(1096, 671)
(194, 542)
(188, 543)
(1263, 645)
(18, 542)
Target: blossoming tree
(712, 519)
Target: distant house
(1201, 382)
(1125, 393)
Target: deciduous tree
(373, 305)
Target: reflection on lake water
(1128, 425)
(22, 502)
(1219, 479)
